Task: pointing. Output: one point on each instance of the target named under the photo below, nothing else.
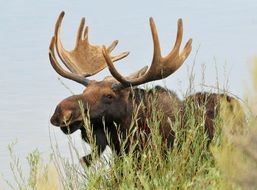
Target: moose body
(110, 103)
(111, 114)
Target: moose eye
(109, 96)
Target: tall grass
(237, 156)
(228, 162)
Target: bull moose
(110, 102)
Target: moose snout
(61, 116)
(67, 112)
(54, 120)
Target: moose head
(109, 99)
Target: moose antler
(161, 67)
(84, 60)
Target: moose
(110, 102)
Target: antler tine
(113, 45)
(60, 70)
(186, 51)
(119, 56)
(178, 38)
(81, 33)
(58, 41)
(86, 34)
(161, 67)
(156, 43)
(58, 23)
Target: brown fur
(214, 105)
(116, 107)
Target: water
(224, 33)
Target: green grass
(189, 165)
(229, 162)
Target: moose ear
(110, 78)
(137, 74)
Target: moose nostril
(67, 115)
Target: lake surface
(224, 35)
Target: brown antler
(161, 67)
(78, 78)
(84, 60)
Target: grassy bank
(228, 162)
